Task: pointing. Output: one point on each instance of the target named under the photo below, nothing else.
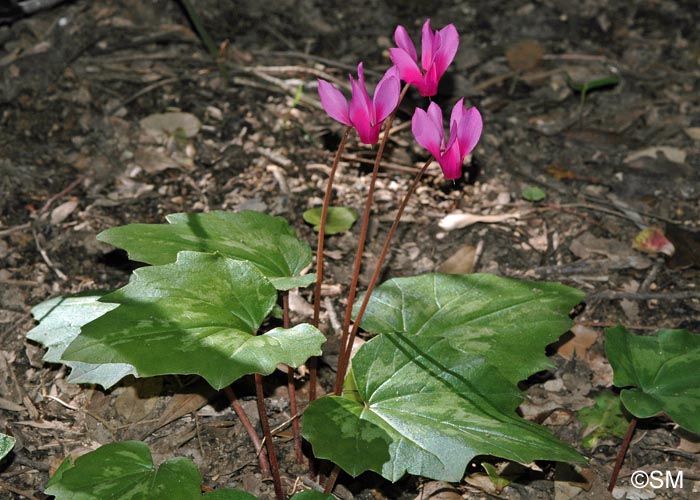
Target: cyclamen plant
(434, 387)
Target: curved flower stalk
(364, 114)
(438, 49)
(465, 130)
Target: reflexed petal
(435, 114)
(445, 54)
(362, 89)
(333, 102)
(408, 69)
(451, 162)
(453, 136)
(426, 133)
(458, 111)
(386, 95)
(469, 130)
(404, 42)
(361, 110)
(427, 46)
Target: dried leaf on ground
(162, 125)
(583, 338)
(136, 401)
(525, 55)
(460, 262)
(438, 490)
(676, 155)
(617, 252)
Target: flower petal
(469, 130)
(445, 54)
(426, 133)
(451, 162)
(429, 83)
(435, 114)
(427, 46)
(458, 111)
(361, 111)
(333, 102)
(404, 42)
(362, 88)
(386, 95)
(407, 66)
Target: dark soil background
(76, 81)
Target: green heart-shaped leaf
(197, 315)
(338, 219)
(660, 371)
(427, 409)
(502, 319)
(263, 240)
(60, 320)
(605, 418)
(125, 471)
(438, 386)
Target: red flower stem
(621, 454)
(248, 426)
(271, 454)
(344, 356)
(378, 268)
(313, 362)
(291, 387)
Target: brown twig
(22, 493)
(250, 430)
(332, 478)
(612, 295)
(143, 91)
(388, 165)
(58, 195)
(61, 275)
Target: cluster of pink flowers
(366, 115)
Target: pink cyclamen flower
(438, 49)
(465, 130)
(364, 114)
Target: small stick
(332, 478)
(206, 39)
(62, 276)
(248, 426)
(17, 491)
(612, 295)
(65, 191)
